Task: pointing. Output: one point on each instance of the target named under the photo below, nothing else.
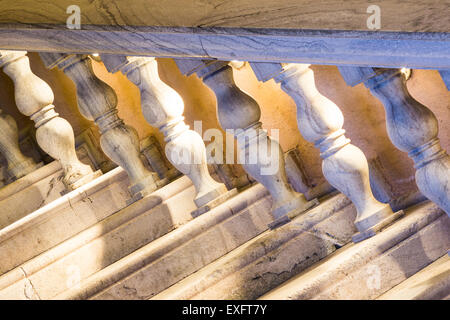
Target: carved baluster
(412, 128)
(163, 108)
(18, 165)
(34, 98)
(239, 112)
(97, 102)
(320, 121)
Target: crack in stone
(326, 236)
(34, 293)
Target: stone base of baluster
(370, 232)
(145, 187)
(214, 203)
(173, 174)
(82, 181)
(288, 217)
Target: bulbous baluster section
(18, 165)
(239, 112)
(34, 98)
(98, 102)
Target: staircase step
(109, 240)
(69, 215)
(271, 258)
(176, 255)
(368, 269)
(39, 188)
(430, 283)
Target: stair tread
(224, 226)
(104, 237)
(237, 274)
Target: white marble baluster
(18, 165)
(413, 128)
(163, 108)
(34, 98)
(97, 102)
(320, 121)
(238, 111)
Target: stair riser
(265, 261)
(284, 262)
(124, 232)
(193, 255)
(37, 195)
(162, 246)
(38, 232)
(367, 269)
(430, 283)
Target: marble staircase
(77, 247)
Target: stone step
(368, 269)
(95, 248)
(174, 256)
(72, 213)
(430, 283)
(39, 188)
(273, 257)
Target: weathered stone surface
(39, 188)
(430, 283)
(370, 268)
(65, 265)
(183, 251)
(273, 257)
(65, 217)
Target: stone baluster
(412, 128)
(34, 98)
(163, 108)
(239, 112)
(320, 121)
(97, 102)
(18, 165)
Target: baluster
(97, 102)
(320, 121)
(34, 98)
(163, 108)
(412, 128)
(18, 165)
(239, 112)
